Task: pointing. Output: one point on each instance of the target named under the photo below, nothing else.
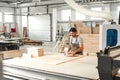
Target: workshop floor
(47, 47)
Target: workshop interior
(59, 39)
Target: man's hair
(73, 30)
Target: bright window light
(118, 10)
(8, 17)
(80, 16)
(96, 9)
(65, 14)
(24, 21)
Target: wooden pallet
(31, 42)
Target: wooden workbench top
(82, 67)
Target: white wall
(54, 24)
(39, 27)
(3, 10)
(38, 10)
(22, 18)
(114, 11)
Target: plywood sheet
(84, 67)
(53, 59)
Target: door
(39, 27)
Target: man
(76, 43)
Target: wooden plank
(54, 59)
(11, 54)
(31, 42)
(35, 51)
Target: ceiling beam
(33, 3)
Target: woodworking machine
(8, 49)
(109, 63)
(8, 45)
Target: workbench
(79, 69)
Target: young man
(76, 43)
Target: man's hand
(71, 54)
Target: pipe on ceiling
(88, 12)
(60, 2)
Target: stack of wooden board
(11, 54)
(35, 51)
(91, 43)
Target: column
(54, 23)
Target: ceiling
(15, 1)
(53, 2)
(29, 1)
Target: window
(24, 21)
(96, 9)
(118, 10)
(118, 14)
(0, 16)
(80, 16)
(65, 14)
(8, 17)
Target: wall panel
(39, 27)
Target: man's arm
(80, 49)
(69, 47)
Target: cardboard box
(40, 52)
(35, 52)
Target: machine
(8, 45)
(109, 63)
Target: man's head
(73, 32)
